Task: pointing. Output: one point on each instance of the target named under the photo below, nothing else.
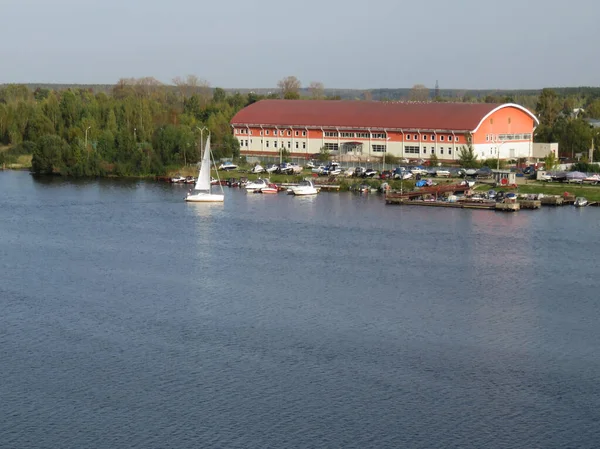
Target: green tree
(548, 107)
(47, 155)
(550, 161)
(323, 155)
(466, 155)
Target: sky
(346, 44)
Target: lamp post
(135, 135)
(86, 147)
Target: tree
(548, 107)
(219, 95)
(47, 155)
(323, 155)
(317, 90)
(466, 155)
(434, 160)
(418, 93)
(550, 161)
(289, 87)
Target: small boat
(203, 183)
(580, 202)
(190, 180)
(227, 166)
(258, 184)
(305, 187)
(271, 188)
(177, 179)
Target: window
(425, 150)
(487, 137)
(416, 137)
(441, 138)
(449, 150)
(378, 136)
(296, 143)
(379, 148)
(266, 132)
(267, 144)
(424, 137)
(289, 144)
(441, 151)
(246, 143)
(362, 135)
(456, 138)
(275, 144)
(304, 145)
(331, 134)
(491, 121)
(289, 133)
(412, 150)
(304, 133)
(250, 132)
(296, 133)
(433, 151)
(331, 146)
(351, 135)
(261, 133)
(408, 137)
(433, 137)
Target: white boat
(227, 166)
(305, 187)
(202, 187)
(258, 169)
(580, 202)
(178, 179)
(258, 184)
(442, 173)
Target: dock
(481, 205)
(530, 204)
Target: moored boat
(305, 187)
(580, 202)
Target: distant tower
(437, 90)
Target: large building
(361, 130)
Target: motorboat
(305, 187)
(442, 173)
(272, 168)
(257, 184)
(257, 169)
(203, 183)
(593, 179)
(271, 188)
(227, 166)
(466, 182)
(190, 180)
(580, 202)
(178, 179)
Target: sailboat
(202, 192)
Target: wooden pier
(530, 204)
(481, 205)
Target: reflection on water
(130, 317)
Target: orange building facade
(362, 131)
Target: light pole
(135, 135)
(86, 147)
(499, 143)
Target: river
(129, 318)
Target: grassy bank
(592, 193)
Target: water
(129, 318)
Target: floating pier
(485, 205)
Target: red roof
(365, 114)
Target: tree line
(144, 127)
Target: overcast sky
(343, 44)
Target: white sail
(203, 182)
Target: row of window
(424, 137)
(348, 135)
(417, 150)
(505, 137)
(280, 132)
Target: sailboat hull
(205, 198)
